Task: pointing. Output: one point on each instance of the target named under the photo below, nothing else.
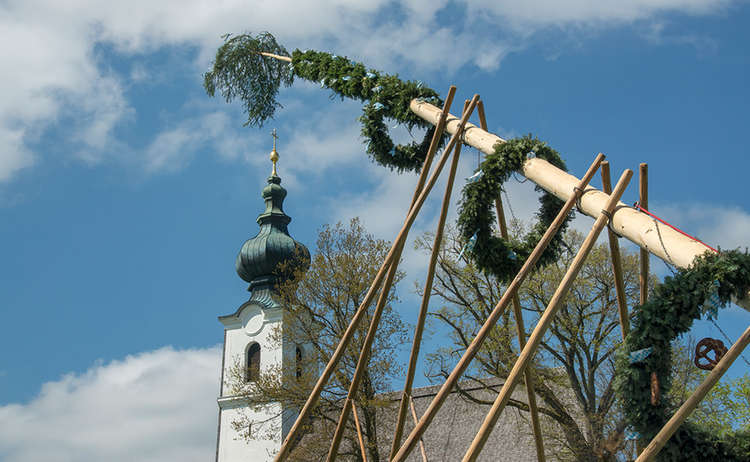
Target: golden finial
(274, 155)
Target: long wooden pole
(489, 324)
(416, 420)
(364, 356)
(536, 337)
(536, 426)
(346, 338)
(692, 402)
(644, 255)
(614, 251)
(630, 223)
(359, 433)
(422, 316)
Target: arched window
(298, 355)
(253, 362)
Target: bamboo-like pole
(692, 402)
(421, 441)
(359, 433)
(286, 446)
(536, 337)
(372, 330)
(476, 344)
(614, 251)
(536, 426)
(643, 201)
(630, 223)
(422, 316)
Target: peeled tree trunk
(632, 224)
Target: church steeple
(259, 258)
(255, 339)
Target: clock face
(255, 322)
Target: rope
(507, 199)
(638, 206)
(609, 220)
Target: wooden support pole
(484, 331)
(400, 238)
(643, 201)
(536, 337)
(421, 441)
(536, 426)
(692, 402)
(359, 433)
(422, 316)
(630, 223)
(614, 251)
(364, 356)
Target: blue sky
(125, 192)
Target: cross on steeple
(274, 155)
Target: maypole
(632, 224)
(705, 281)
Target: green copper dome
(260, 256)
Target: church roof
(259, 258)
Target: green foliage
(669, 313)
(726, 407)
(387, 98)
(240, 72)
(495, 255)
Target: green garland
(240, 72)
(670, 312)
(490, 253)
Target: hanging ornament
(704, 348)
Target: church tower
(252, 344)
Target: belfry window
(298, 365)
(253, 362)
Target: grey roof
(452, 430)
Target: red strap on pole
(638, 206)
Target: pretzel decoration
(706, 346)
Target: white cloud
(714, 224)
(173, 148)
(14, 156)
(153, 406)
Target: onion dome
(259, 258)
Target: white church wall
(252, 325)
(233, 447)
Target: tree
(726, 408)
(318, 307)
(573, 368)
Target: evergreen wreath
(492, 254)
(670, 312)
(240, 71)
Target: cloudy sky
(125, 192)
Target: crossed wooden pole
(604, 206)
